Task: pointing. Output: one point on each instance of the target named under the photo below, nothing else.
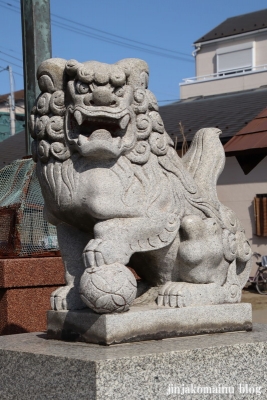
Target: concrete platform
(235, 364)
(148, 323)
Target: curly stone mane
(53, 149)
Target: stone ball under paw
(108, 289)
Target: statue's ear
(51, 75)
(137, 72)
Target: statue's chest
(103, 194)
(98, 182)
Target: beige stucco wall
(206, 56)
(206, 60)
(20, 109)
(261, 49)
(237, 191)
(206, 65)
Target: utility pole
(11, 101)
(36, 36)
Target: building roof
(18, 95)
(228, 112)
(250, 140)
(13, 148)
(251, 136)
(236, 25)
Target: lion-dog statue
(118, 192)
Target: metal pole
(36, 40)
(11, 103)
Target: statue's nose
(102, 96)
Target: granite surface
(27, 272)
(25, 288)
(24, 309)
(118, 192)
(148, 322)
(32, 367)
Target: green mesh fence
(23, 230)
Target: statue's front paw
(185, 294)
(100, 252)
(91, 256)
(66, 298)
(174, 294)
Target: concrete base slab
(148, 323)
(217, 366)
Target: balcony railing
(225, 74)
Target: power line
(16, 65)
(159, 51)
(14, 9)
(121, 37)
(5, 69)
(8, 8)
(98, 37)
(17, 73)
(13, 51)
(6, 54)
(117, 36)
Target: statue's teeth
(78, 116)
(124, 121)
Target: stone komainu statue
(118, 193)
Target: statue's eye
(119, 91)
(82, 87)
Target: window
(235, 59)
(260, 212)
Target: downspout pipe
(194, 54)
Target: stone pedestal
(148, 323)
(25, 288)
(32, 367)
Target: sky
(161, 32)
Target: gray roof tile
(236, 25)
(228, 112)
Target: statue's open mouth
(99, 130)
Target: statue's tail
(205, 161)
(198, 172)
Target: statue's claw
(100, 252)
(172, 295)
(91, 257)
(66, 298)
(184, 294)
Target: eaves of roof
(237, 25)
(18, 95)
(249, 145)
(229, 112)
(251, 136)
